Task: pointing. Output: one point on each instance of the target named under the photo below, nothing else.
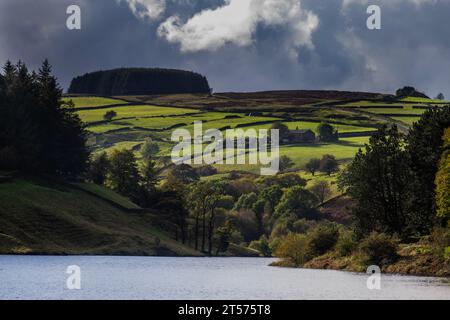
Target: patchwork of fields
(138, 118)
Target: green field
(210, 120)
(407, 120)
(390, 111)
(89, 102)
(365, 103)
(401, 102)
(304, 125)
(132, 112)
(423, 100)
(314, 126)
(344, 151)
(134, 123)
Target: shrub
(303, 225)
(274, 244)
(294, 247)
(321, 189)
(206, 171)
(441, 240)
(283, 226)
(447, 253)
(262, 246)
(236, 237)
(379, 249)
(109, 115)
(346, 244)
(322, 238)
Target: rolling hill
(46, 216)
(42, 215)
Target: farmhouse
(300, 136)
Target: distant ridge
(304, 94)
(139, 81)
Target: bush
(262, 246)
(346, 244)
(440, 239)
(294, 248)
(303, 225)
(283, 226)
(109, 115)
(379, 249)
(206, 171)
(322, 238)
(236, 237)
(274, 244)
(447, 253)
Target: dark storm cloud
(411, 48)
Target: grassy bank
(42, 217)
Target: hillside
(139, 81)
(355, 114)
(38, 216)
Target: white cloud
(236, 23)
(146, 9)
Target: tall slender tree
(39, 133)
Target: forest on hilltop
(139, 81)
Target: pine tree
(38, 133)
(377, 179)
(62, 131)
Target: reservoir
(137, 278)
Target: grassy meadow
(133, 112)
(89, 102)
(141, 119)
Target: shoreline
(320, 263)
(420, 265)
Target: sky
(241, 45)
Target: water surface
(40, 277)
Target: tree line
(139, 81)
(38, 132)
(394, 178)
